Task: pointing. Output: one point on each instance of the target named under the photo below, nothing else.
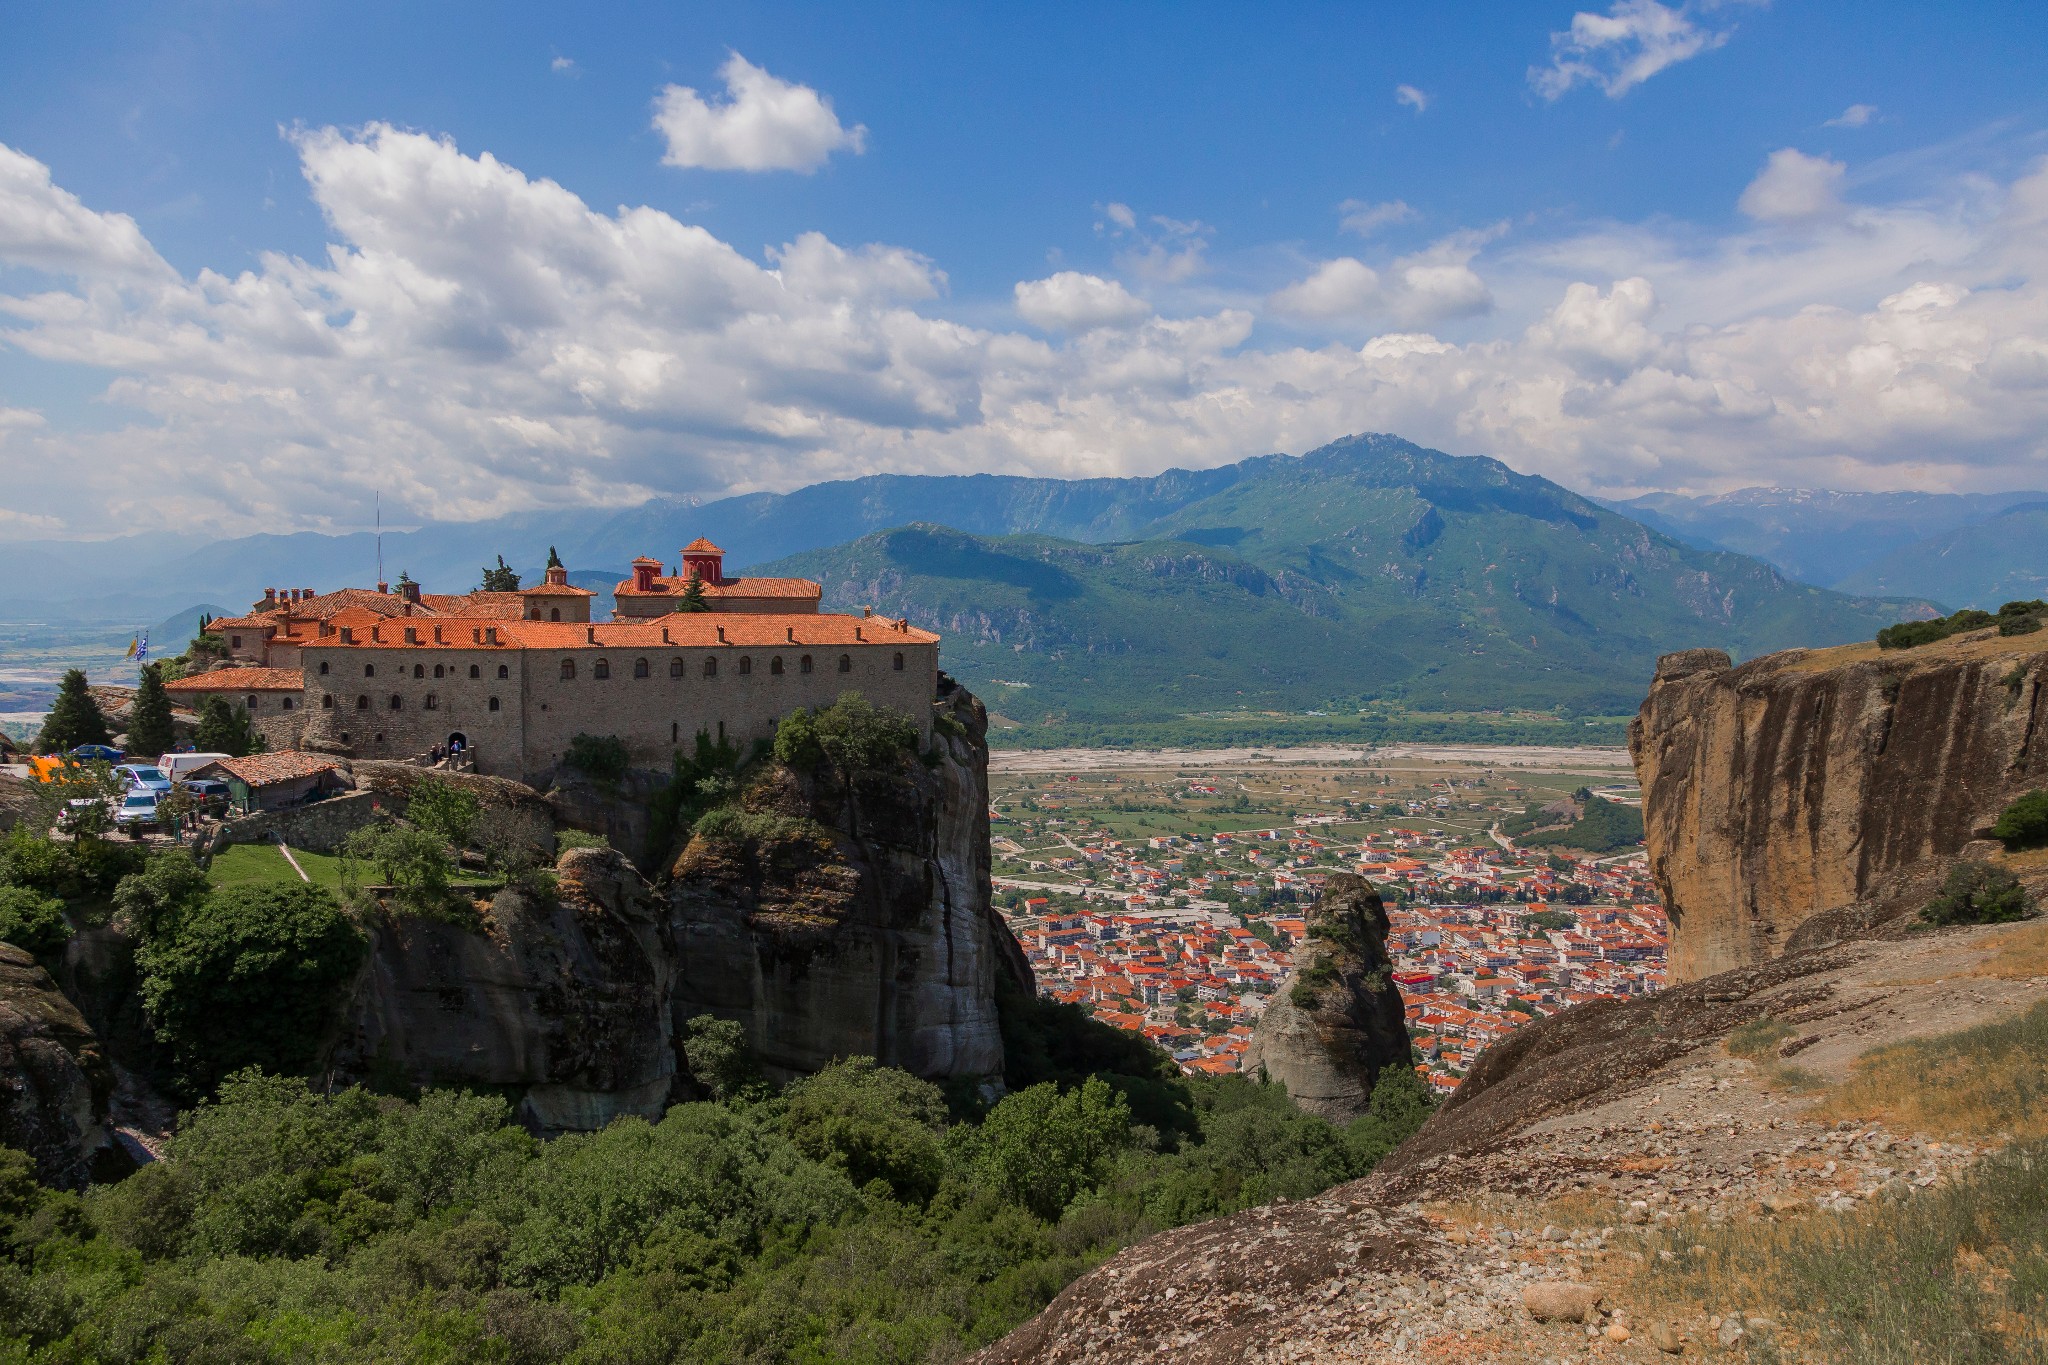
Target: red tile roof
(241, 680)
(263, 770)
(701, 546)
(685, 630)
(733, 587)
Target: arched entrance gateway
(457, 742)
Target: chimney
(490, 635)
(557, 576)
(383, 587)
(269, 598)
(664, 636)
(348, 635)
(412, 590)
(790, 631)
(866, 612)
(644, 572)
(376, 634)
(590, 635)
(307, 591)
(412, 636)
(476, 634)
(857, 635)
(721, 635)
(437, 636)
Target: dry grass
(1956, 1275)
(1979, 1083)
(2018, 955)
(1759, 1041)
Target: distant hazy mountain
(1994, 561)
(1369, 568)
(1818, 536)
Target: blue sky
(1627, 246)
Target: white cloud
(563, 66)
(1855, 116)
(1619, 50)
(549, 355)
(1346, 288)
(1794, 186)
(1073, 302)
(1411, 97)
(763, 124)
(1164, 250)
(1363, 218)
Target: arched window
(640, 669)
(396, 701)
(554, 613)
(710, 667)
(494, 703)
(846, 663)
(252, 703)
(323, 668)
(899, 661)
(803, 665)
(433, 702)
(369, 670)
(234, 642)
(419, 670)
(568, 669)
(535, 616)
(601, 669)
(475, 672)
(287, 704)
(504, 670)
(746, 665)
(437, 670)
(362, 703)
(327, 702)
(675, 732)
(775, 666)
(675, 668)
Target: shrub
(151, 899)
(734, 825)
(599, 756)
(2019, 625)
(249, 976)
(576, 838)
(1910, 634)
(411, 861)
(2024, 823)
(1978, 893)
(853, 734)
(33, 922)
(76, 870)
(718, 1057)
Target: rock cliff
(1337, 1019)
(560, 1000)
(54, 1079)
(856, 919)
(1813, 781)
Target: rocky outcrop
(54, 1079)
(1338, 1019)
(562, 1000)
(17, 801)
(854, 919)
(1813, 781)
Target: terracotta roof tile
(701, 546)
(555, 590)
(241, 680)
(684, 630)
(732, 587)
(263, 770)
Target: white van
(177, 767)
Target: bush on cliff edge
(1978, 893)
(2024, 824)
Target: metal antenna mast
(380, 535)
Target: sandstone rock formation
(54, 1080)
(862, 927)
(17, 801)
(1337, 1019)
(563, 1001)
(1809, 781)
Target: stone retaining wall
(320, 827)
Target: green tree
(2024, 823)
(226, 729)
(149, 719)
(852, 733)
(168, 885)
(554, 560)
(411, 861)
(74, 719)
(873, 1122)
(693, 598)
(601, 756)
(33, 922)
(717, 1054)
(249, 976)
(1978, 893)
(1041, 1147)
(445, 810)
(503, 578)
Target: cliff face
(562, 1001)
(1811, 781)
(858, 922)
(54, 1079)
(1329, 1048)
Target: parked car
(137, 810)
(97, 753)
(79, 812)
(209, 794)
(143, 777)
(175, 766)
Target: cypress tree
(504, 578)
(693, 596)
(74, 719)
(225, 729)
(149, 720)
(554, 560)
